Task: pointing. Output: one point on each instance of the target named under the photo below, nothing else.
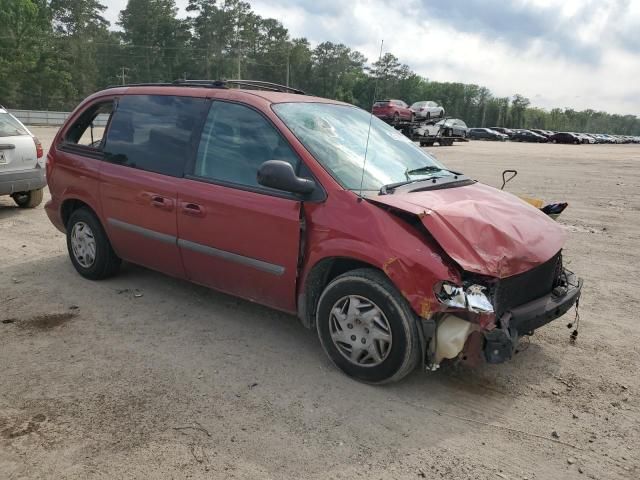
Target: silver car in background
(427, 110)
(22, 172)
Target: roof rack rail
(267, 85)
(253, 84)
(199, 83)
(257, 84)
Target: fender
(412, 260)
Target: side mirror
(280, 175)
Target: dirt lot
(145, 376)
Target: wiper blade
(390, 187)
(429, 168)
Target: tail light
(39, 151)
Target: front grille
(522, 288)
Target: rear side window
(10, 127)
(153, 132)
(236, 140)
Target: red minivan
(277, 197)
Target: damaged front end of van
(511, 278)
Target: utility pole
(123, 75)
(288, 66)
(238, 46)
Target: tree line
(53, 53)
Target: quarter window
(236, 140)
(153, 132)
(88, 129)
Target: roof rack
(255, 84)
(251, 84)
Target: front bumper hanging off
(500, 343)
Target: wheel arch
(319, 276)
(70, 205)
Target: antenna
(366, 148)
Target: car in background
(427, 110)
(486, 134)
(453, 127)
(584, 138)
(605, 138)
(22, 173)
(544, 133)
(522, 135)
(393, 111)
(565, 137)
(506, 131)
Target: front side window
(236, 140)
(153, 132)
(336, 135)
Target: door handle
(161, 202)
(189, 208)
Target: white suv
(22, 173)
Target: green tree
(155, 38)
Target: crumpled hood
(485, 230)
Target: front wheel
(366, 327)
(30, 199)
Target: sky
(559, 53)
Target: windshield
(336, 135)
(9, 127)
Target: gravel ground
(145, 376)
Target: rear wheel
(89, 248)
(30, 199)
(366, 327)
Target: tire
(30, 199)
(375, 295)
(105, 262)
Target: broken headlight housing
(474, 298)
